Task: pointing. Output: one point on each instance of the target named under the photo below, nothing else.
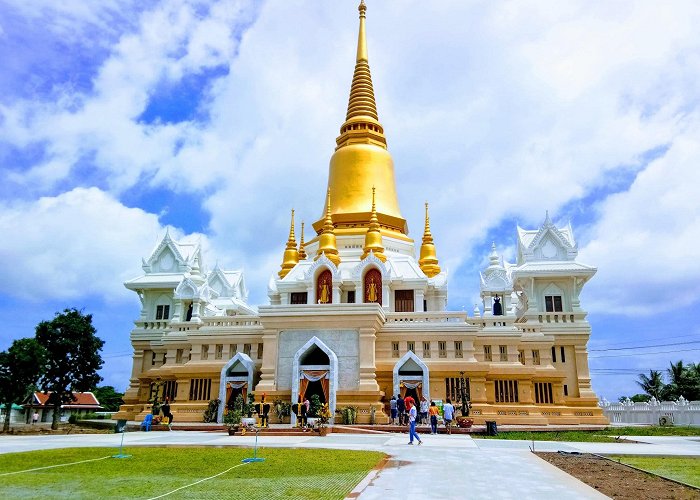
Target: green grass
(602, 436)
(685, 469)
(285, 473)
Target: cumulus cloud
(78, 244)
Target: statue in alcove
(497, 307)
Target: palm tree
(652, 384)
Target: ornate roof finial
(373, 237)
(302, 250)
(428, 261)
(493, 256)
(547, 220)
(291, 254)
(326, 241)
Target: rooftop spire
(361, 159)
(373, 237)
(326, 242)
(291, 255)
(428, 256)
(302, 250)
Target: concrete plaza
(444, 466)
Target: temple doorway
(236, 379)
(411, 377)
(315, 371)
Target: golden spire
(428, 261)
(373, 237)
(361, 159)
(302, 250)
(326, 242)
(291, 255)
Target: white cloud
(78, 244)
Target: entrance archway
(411, 377)
(236, 378)
(315, 371)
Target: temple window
(566, 390)
(497, 307)
(324, 288)
(219, 351)
(426, 349)
(403, 301)
(351, 296)
(200, 389)
(153, 359)
(442, 349)
(299, 297)
(232, 348)
(373, 287)
(425, 305)
(411, 346)
(163, 312)
(170, 389)
(178, 356)
(503, 350)
(554, 354)
(246, 349)
(394, 349)
(453, 389)
(521, 356)
(506, 391)
(487, 353)
(458, 349)
(205, 351)
(260, 351)
(553, 303)
(543, 393)
(188, 316)
(535, 356)
(563, 355)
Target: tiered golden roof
(326, 241)
(428, 261)
(373, 238)
(361, 159)
(291, 254)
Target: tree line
(683, 380)
(62, 358)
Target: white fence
(654, 412)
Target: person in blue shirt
(448, 413)
(394, 409)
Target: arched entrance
(315, 371)
(411, 377)
(236, 378)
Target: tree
(73, 357)
(653, 384)
(109, 398)
(20, 368)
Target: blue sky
(119, 118)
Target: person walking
(412, 414)
(448, 413)
(433, 411)
(401, 408)
(394, 410)
(424, 410)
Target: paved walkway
(444, 466)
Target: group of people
(405, 412)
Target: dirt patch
(616, 480)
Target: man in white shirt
(448, 413)
(412, 413)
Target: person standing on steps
(401, 408)
(433, 411)
(448, 413)
(412, 414)
(166, 413)
(394, 410)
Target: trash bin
(120, 426)
(491, 428)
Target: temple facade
(355, 317)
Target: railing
(158, 324)
(681, 412)
(426, 317)
(231, 321)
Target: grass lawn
(685, 469)
(285, 473)
(602, 436)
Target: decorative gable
(166, 258)
(547, 243)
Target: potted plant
(232, 420)
(324, 417)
